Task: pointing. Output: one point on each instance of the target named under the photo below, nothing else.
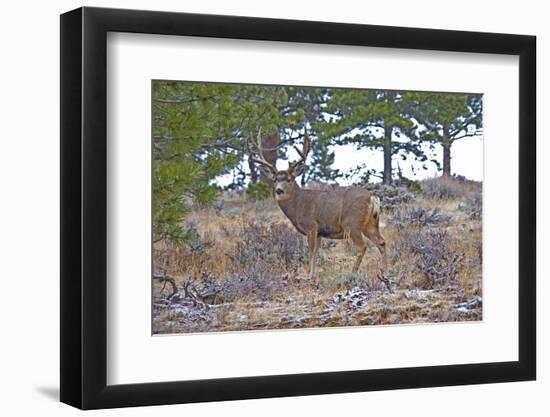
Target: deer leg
(373, 234)
(360, 243)
(314, 242)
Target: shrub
(258, 191)
(438, 262)
(419, 216)
(443, 188)
(275, 244)
(262, 256)
(472, 206)
(411, 185)
(414, 186)
(288, 246)
(235, 287)
(390, 197)
(345, 281)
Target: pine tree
(445, 119)
(202, 131)
(190, 121)
(370, 119)
(320, 166)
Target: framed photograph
(256, 208)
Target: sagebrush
(244, 267)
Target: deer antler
(303, 152)
(257, 156)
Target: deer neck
(290, 207)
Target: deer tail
(375, 206)
(373, 210)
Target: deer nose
(279, 191)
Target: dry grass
(246, 270)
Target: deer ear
(267, 172)
(299, 169)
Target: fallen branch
(386, 282)
(167, 279)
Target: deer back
(332, 213)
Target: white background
(133, 60)
(29, 219)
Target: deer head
(284, 184)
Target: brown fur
(338, 214)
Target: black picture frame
(84, 207)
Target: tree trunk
(269, 149)
(447, 159)
(446, 143)
(253, 171)
(387, 178)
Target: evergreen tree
(320, 168)
(201, 131)
(370, 119)
(302, 111)
(446, 118)
(189, 122)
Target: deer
(339, 213)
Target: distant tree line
(202, 131)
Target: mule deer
(339, 213)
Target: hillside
(246, 268)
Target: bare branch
(164, 279)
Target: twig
(167, 279)
(386, 282)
